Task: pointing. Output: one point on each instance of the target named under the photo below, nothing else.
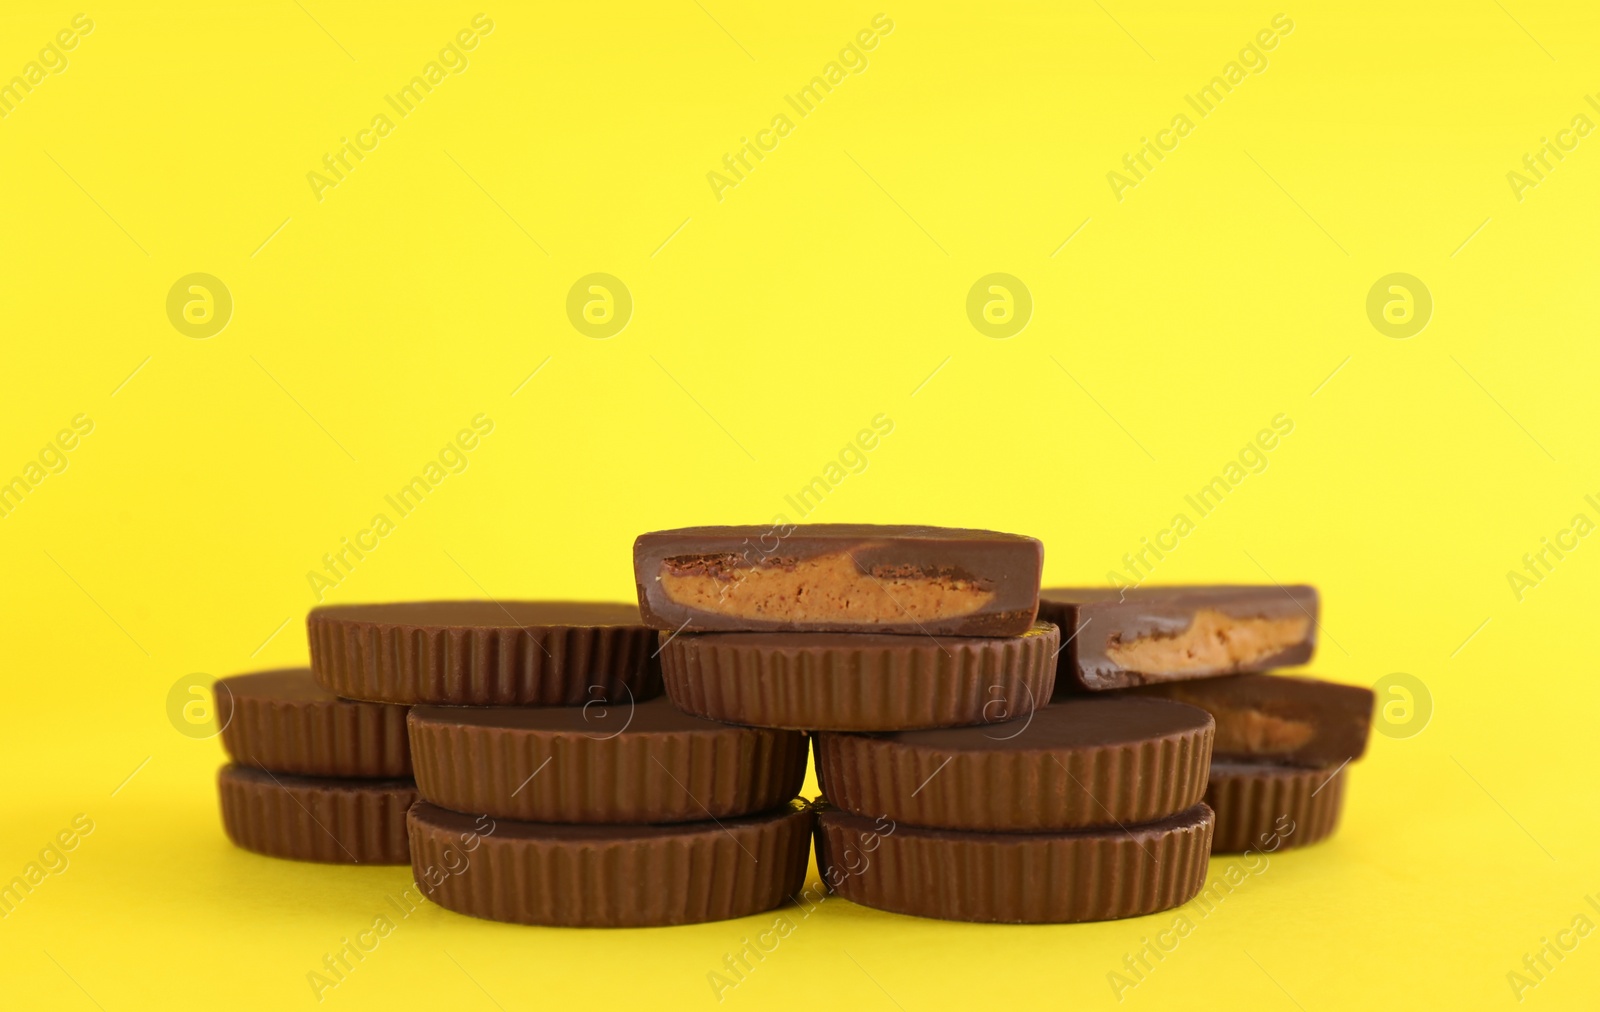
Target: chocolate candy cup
(1118, 638)
(861, 681)
(1279, 718)
(839, 578)
(1266, 808)
(285, 722)
(613, 763)
(484, 653)
(1017, 878)
(334, 820)
(610, 876)
(1077, 763)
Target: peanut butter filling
(1214, 642)
(1242, 729)
(1257, 733)
(825, 588)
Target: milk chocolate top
(286, 684)
(1138, 635)
(650, 717)
(839, 577)
(577, 831)
(1279, 718)
(1083, 723)
(482, 614)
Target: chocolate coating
(1265, 808)
(610, 876)
(285, 721)
(327, 819)
(1138, 635)
(613, 763)
(839, 577)
(1018, 878)
(1073, 764)
(484, 653)
(1279, 718)
(858, 681)
(484, 614)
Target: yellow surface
(827, 287)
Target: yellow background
(769, 327)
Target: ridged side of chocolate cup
(544, 776)
(1011, 790)
(333, 820)
(1257, 803)
(845, 682)
(1017, 878)
(612, 876)
(325, 737)
(464, 666)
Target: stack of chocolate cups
(314, 777)
(1087, 810)
(986, 751)
(555, 788)
(1283, 743)
(914, 658)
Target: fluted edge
(339, 822)
(329, 738)
(484, 666)
(1254, 804)
(1033, 878)
(1015, 790)
(638, 777)
(705, 872)
(915, 682)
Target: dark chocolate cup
(859, 681)
(612, 764)
(1018, 878)
(609, 876)
(484, 653)
(286, 722)
(327, 819)
(1077, 763)
(1265, 808)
